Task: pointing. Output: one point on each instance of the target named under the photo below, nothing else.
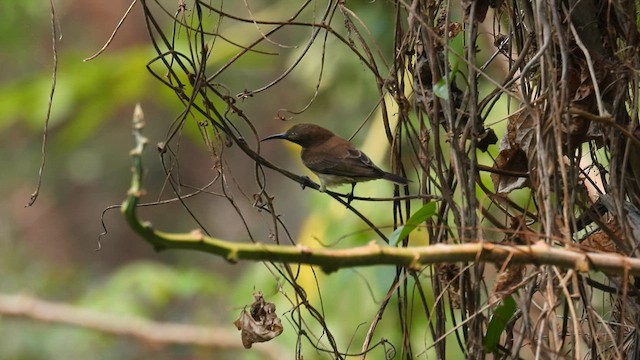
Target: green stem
(371, 254)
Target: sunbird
(333, 159)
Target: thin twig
(54, 77)
(113, 34)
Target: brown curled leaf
(260, 323)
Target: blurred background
(49, 250)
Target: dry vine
(567, 73)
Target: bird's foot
(306, 182)
(350, 196)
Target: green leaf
(425, 212)
(499, 320)
(441, 89)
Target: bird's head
(305, 135)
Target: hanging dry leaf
(511, 159)
(631, 216)
(601, 240)
(521, 233)
(454, 29)
(486, 137)
(480, 11)
(517, 148)
(260, 323)
(633, 182)
(580, 129)
(511, 275)
(506, 282)
(448, 275)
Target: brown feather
(333, 158)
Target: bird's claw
(349, 198)
(306, 182)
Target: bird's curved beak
(275, 136)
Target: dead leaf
(480, 11)
(448, 275)
(512, 159)
(521, 233)
(506, 281)
(260, 323)
(517, 148)
(485, 138)
(599, 241)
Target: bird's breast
(335, 180)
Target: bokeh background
(49, 250)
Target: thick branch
(368, 255)
(144, 330)
(413, 257)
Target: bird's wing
(351, 163)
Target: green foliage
(420, 216)
(86, 94)
(145, 288)
(498, 322)
(16, 31)
(441, 89)
(150, 290)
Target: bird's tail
(395, 178)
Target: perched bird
(333, 159)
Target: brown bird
(333, 159)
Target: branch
(23, 306)
(371, 254)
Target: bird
(333, 159)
